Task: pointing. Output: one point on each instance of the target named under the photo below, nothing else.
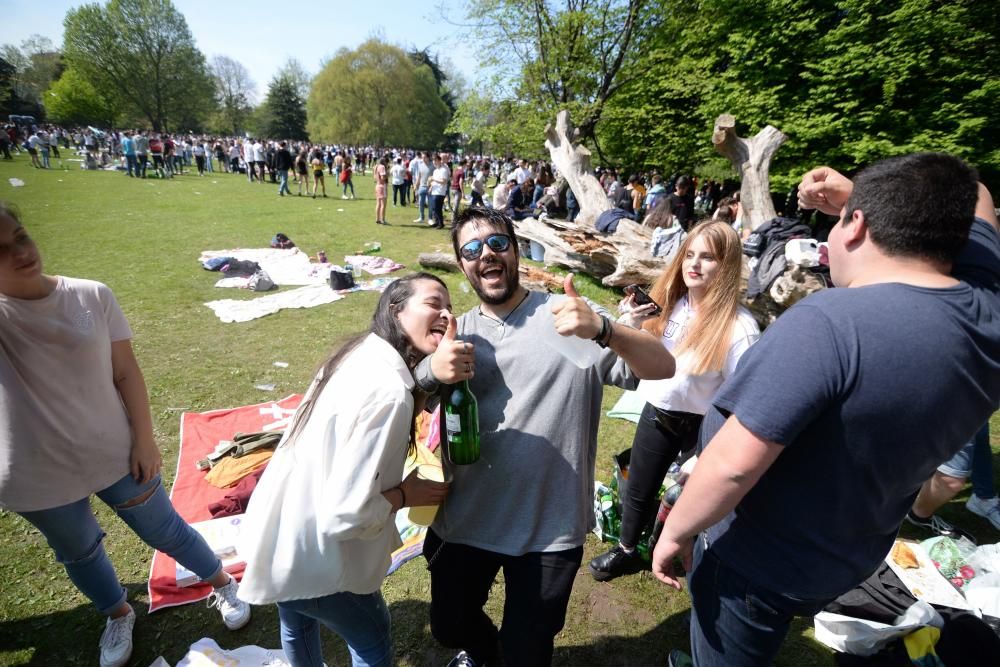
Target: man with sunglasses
(526, 506)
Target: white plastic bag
(206, 653)
(860, 637)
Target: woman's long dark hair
(385, 324)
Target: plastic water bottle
(582, 352)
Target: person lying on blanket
(319, 530)
(74, 422)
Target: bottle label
(453, 424)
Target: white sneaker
(419, 220)
(988, 508)
(235, 612)
(343, 196)
(116, 642)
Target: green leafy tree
(72, 100)
(849, 81)
(34, 65)
(142, 53)
(283, 113)
(375, 94)
(551, 56)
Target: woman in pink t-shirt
(75, 422)
(381, 175)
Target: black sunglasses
(474, 248)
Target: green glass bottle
(461, 424)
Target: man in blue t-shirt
(820, 441)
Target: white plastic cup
(423, 515)
(584, 353)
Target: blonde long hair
(710, 336)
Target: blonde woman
(707, 330)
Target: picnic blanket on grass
(191, 494)
(235, 310)
(286, 266)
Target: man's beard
(501, 295)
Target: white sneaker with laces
(235, 612)
(116, 641)
(988, 508)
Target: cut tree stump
(752, 159)
(573, 162)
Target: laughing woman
(707, 330)
(320, 524)
(75, 422)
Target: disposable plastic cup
(423, 515)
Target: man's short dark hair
(487, 216)
(918, 205)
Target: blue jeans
(283, 180)
(76, 538)
(422, 199)
(735, 623)
(45, 157)
(974, 462)
(131, 164)
(349, 183)
(361, 620)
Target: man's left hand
(663, 555)
(573, 316)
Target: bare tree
(234, 90)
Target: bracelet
(402, 497)
(604, 330)
(603, 338)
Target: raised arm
(643, 353)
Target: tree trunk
(573, 162)
(752, 158)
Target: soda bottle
(461, 417)
(670, 497)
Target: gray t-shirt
(64, 433)
(533, 485)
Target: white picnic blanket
(206, 653)
(231, 310)
(285, 266)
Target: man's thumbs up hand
(573, 315)
(454, 360)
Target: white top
(500, 196)
(396, 171)
(440, 181)
(694, 393)
(258, 152)
(317, 523)
(64, 433)
(522, 174)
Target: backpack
(261, 282)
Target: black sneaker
(462, 660)
(939, 526)
(615, 563)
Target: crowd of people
(792, 463)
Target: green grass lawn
(143, 238)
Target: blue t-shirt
(868, 389)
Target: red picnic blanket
(191, 494)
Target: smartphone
(641, 298)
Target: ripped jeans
(76, 538)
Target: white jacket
(317, 523)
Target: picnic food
(903, 556)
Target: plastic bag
(858, 636)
